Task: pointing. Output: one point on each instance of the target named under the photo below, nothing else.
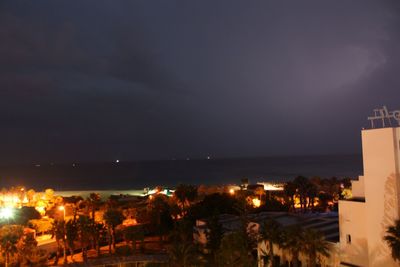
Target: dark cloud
(165, 79)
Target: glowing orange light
(256, 202)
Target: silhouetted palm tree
(291, 240)
(302, 185)
(182, 251)
(71, 231)
(9, 237)
(30, 254)
(214, 236)
(97, 231)
(59, 233)
(271, 233)
(84, 228)
(132, 234)
(113, 218)
(159, 213)
(392, 237)
(290, 190)
(185, 194)
(314, 243)
(234, 252)
(94, 201)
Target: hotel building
(363, 220)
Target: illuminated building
(364, 218)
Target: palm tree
(289, 190)
(214, 236)
(302, 185)
(71, 231)
(185, 194)
(182, 251)
(59, 232)
(113, 218)
(96, 232)
(9, 237)
(233, 251)
(94, 201)
(30, 195)
(314, 243)
(260, 192)
(30, 254)
(160, 216)
(392, 237)
(132, 234)
(84, 228)
(291, 240)
(271, 233)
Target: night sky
(137, 80)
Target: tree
(290, 190)
(312, 193)
(270, 232)
(94, 201)
(59, 233)
(392, 238)
(25, 214)
(182, 252)
(21, 195)
(324, 199)
(30, 195)
(30, 254)
(260, 192)
(84, 228)
(49, 194)
(215, 203)
(313, 244)
(9, 237)
(113, 218)
(71, 231)
(233, 251)
(214, 236)
(160, 216)
(132, 234)
(97, 230)
(302, 185)
(291, 240)
(185, 194)
(41, 225)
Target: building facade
(363, 220)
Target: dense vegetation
(158, 224)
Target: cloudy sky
(105, 80)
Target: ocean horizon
(137, 175)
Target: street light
(62, 208)
(6, 213)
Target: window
(348, 239)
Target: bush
(156, 264)
(124, 250)
(25, 214)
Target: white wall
(357, 187)
(380, 156)
(352, 222)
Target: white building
(364, 219)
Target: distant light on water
(117, 161)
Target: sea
(133, 177)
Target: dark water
(134, 175)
